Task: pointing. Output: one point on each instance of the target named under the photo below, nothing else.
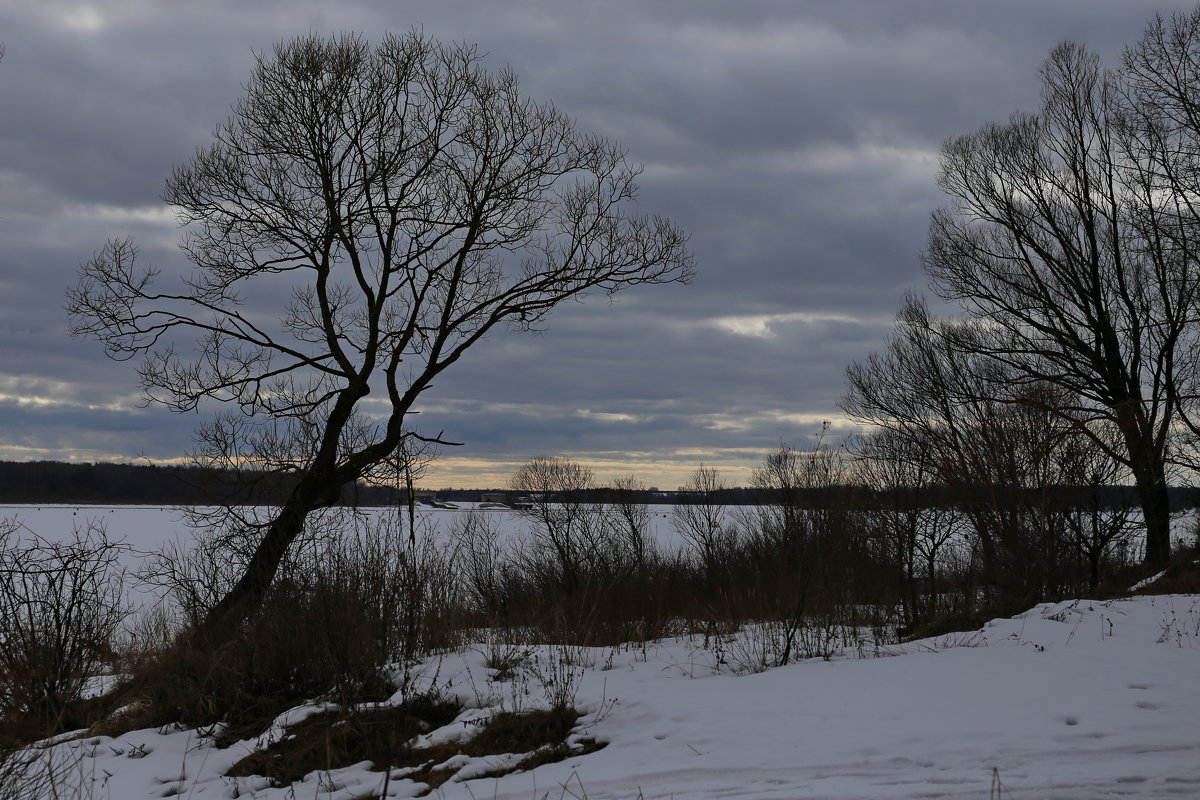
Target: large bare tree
(1063, 239)
(1160, 83)
(399, 202)
(1016, 456)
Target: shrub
(343, 624)
(60, 606)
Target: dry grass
(387, 737)
(1182, 575)
(334, 739)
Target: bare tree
(1015, 482)
(1099, 515)
(1013, 454)
(1160, 125)
(701, 520)
(404, 203)
(629, 517)
(909, 512)
(798, 488)
(566, 525)
(803, 543)
(1061, 238)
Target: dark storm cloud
(797, 142)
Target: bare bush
(582, 570)
(484, 564)
(345, 621)
(568, 531)
(701, 519)
(61, 603)
(405, 586)
(37, 773)
(908, 514)
(629, 519)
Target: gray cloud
(797, 142)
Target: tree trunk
(1156, 512)
(250, 590)
(1149, 476)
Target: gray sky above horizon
(797, 142)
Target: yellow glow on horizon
(663, 470)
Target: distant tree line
(26, 482)
(147, 484)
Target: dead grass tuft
(1182, 576)
(386, 738)
(335, 739)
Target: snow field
(1070, 700)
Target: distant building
(493, 497)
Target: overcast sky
(795, 140)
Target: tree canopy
(399, 202)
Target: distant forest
(146, 484)
(26, 482)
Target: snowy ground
(1072, 700)
(1075, 700)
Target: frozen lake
(146, 529)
